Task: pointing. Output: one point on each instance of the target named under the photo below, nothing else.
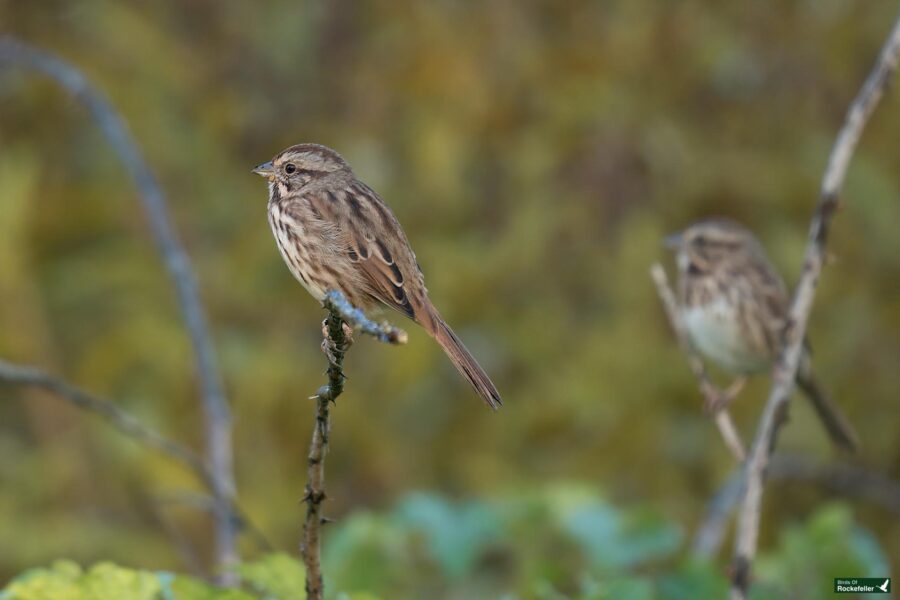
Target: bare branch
(131, 427)
(847, 480)
(785, 369)
(337, 340)
(216, 412)
(722, 418)
(335, 345)
(711, 532)
(337, 303)
(126, 423)
(206, 503)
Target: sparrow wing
(771, 297)
(373, 242)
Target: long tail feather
(836, 424)
(465, 363)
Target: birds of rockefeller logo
(862, 585)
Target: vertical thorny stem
(336, 330)
(335, 346)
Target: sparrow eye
(289, 168)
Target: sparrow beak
(266, 169)
(673, 241)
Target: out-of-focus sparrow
(735, 309)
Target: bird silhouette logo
(884, 586)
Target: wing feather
(375, 244)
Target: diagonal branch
(846, 480)
(125, 422)
(337, 303)
(785, 369)
(132, 427)
(722, 418)
(207, 503)
(337, 340)
(710, 534)
(216, 412)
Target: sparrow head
(298, 165)
(709, 243)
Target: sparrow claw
(329, 347)
(328, 350)
(348, 336)
(718, 400)
(715, 403)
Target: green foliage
(556, 538)
(276, 576)
(65, 580)
(188, 588)
(561, 544)
(454, 534)
(829, 545)
(614, 541)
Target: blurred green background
(535, 152)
